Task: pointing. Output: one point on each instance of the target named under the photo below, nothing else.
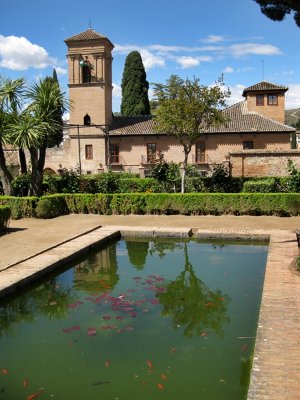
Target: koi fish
(4, 371)
(163, 377)
(99, 383)
(172, 350)
(91, 331)
(244, 347)
(160, 386)
(209, 304)
(107, 363)
(35, 395)
(149, 363)
(25, 382)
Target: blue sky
(187, 38)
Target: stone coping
(276, 361)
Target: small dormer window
(272, 99)
(87, 120)
(259, 99)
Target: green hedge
(281, 204)
(21, 207)
(51, 206)
(5, 213)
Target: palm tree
(11, 96)
(46, 108)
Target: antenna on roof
(263, 69)
(90, 24)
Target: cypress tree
(135, 87)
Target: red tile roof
(90, 34)
(265, 86)
(239, 120)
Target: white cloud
(228, 70)
(188, 62)
(239, 50)
(292, 96)
(151, 60)
(61, 71)
(117, 91)
(236, 94)
(213, 39)
(19, 54)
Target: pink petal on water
(91, 331)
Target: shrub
(21, 207)
(51, 206)
(21, 184)
(5, 213)
(128, 203)
(88, 203)
(294, 181)
(260, 186)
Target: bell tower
(90, 78)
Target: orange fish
(35, 395)
(172, 350)
(160, 386)
(107, 363)
(209, 304)
(163, 377)
(4, 371)
(25, 382)
(149, 363)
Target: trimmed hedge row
(21, 207)
(4, 217)
(280, 204)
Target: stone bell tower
(90, 78)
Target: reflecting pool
(138, 319)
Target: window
(151, 152)
(200, 152)
(272, 99)
(86, 74)
(259, 99)
(247, 144)
(88, 151)
(87, 120)
(114, 152)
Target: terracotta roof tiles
(90, 34)
(239, 120)
(264, 86)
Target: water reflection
(192, 305)
(49, 299)
(98, 272)
(137, 253)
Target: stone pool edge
(276, 361)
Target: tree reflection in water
(192, 305)
(49, 299)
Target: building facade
(96, 140)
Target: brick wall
(262, 163)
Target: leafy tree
(135, 87)
(278, 9)
(187, 109)
(11, 95)
(47, 106)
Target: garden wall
(247, 163)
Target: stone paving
(33, 247)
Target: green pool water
(137, 320)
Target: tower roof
(89, 34)
(264, 86)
